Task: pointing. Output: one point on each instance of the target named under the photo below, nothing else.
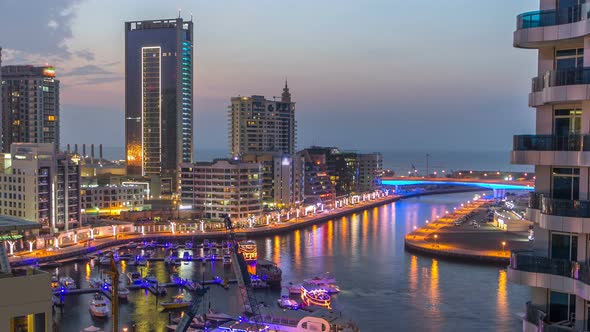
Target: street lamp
(435, 240)
(503, 245)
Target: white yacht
(123, 291)
(67, 282)
(99, 306)
(286, 302)
(318, 280)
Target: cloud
(85, 54)
(99, 80)
(88, 70)
(38, 27)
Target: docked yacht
(99, 306)
(123, 291)
(67, 282)
(140, 261)
(270, 272)
(54, 282)
(328, 288)
(257, 283)
(95, 283)
(176, 303)
(218, 317)
(286, 302)
(248, 250)
(326, 279)
(315, 297)
(134, 278)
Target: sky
(368, 75)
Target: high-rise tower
(30, 110)
(258, 125)
(158, 96)
(557, 269)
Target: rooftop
(9, 223)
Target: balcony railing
(528, 262)
(559, 207)
(544, 18)
(551, 143)
(561, 77)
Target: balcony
(562, 85)
(559, 214)
(540, 28)
(535, 316)
(571, 150)
(556, 274)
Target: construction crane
(114, 273)
(244, 284)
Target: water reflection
(502, 304)
(434, 291)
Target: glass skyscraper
(158, 96)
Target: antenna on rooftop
(191, 17)
(178, 12)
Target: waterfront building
(557, 269)
(317, 187)
(277, 178)
(351, 172)
(39, 184)
(112, 199)
(258, 125)
(25, 304)
(222, 187)
(30, 106)
(158, 98)
(370, 171)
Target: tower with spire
(286, 96)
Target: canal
(383, 287)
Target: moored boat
(319, 280)
(134, 278)
(248, 250)
(218, 317)
(269, 272)
(123, 292)
(99, 306)
(286, 302)
(67, 282)
(176, 303)
(315, 297)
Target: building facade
(277, 178)
(158, 96)
(258, 125)
(311, 172)
(557, 268)
(112, 199)
(39, 184)
(222, 187)
(370, 171)
(30, 106)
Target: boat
(140, 260)
(176, 303)
(248, 250)
(188, 244)
(123, 291)
(151, 279)
(315, 297)
(134, 278)
(132, 245)
(95, 283)
(257, 283)
(325, 279)
(99, 306)
(92, 328)
(67, 282)
(328, 288)
(186, 256)
(286, 302)
(269, 272)
(218, 317)
(226, 259)
(54, 282)
(169, 260)
(106, 260)
(126, 256)
(287, 320)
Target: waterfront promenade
(93, 246)
(484, 243)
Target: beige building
(277, 178)
(258, 125)
(222, 187)
(557, 268)
(38, 184)
(25, 304)
(112, 199)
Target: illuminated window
(51, 118)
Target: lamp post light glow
(31, 246)
(435, 240)
(92, 233)
(203, 226)
(114, 230)
(11, 243)
(503, 245)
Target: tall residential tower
(30, 106)
(557, 269)
(158, 96)
(258, 125)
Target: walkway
(486, 243)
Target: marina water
(383, 287)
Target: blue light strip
(458, 183)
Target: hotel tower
(158, 96)
(558, 267)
